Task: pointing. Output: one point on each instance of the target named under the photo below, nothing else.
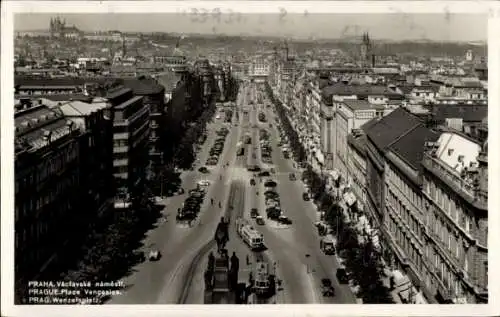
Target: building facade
(96, 178)
(153, 98)
(455, 197)
(131, 130)
(349, 115)
(47, 190)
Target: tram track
(236, 195)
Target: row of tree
(109, 251)
(362, 260)
(297, 148)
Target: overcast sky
(437, 27)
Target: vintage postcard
(173, 155)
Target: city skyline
(393, 26)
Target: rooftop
(391, 127)
(457, 151)
(35, 122)
(144, 86)
(468, 113)
(356, 105)
(410, 147)
(342, 89)
(63, 97)
(128, 102)
(78, 108)
(116, 92)
(169, 80)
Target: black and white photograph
(247, 156)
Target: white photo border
(9, 8)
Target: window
(446, 203)
(467, 225)
(439, 197)
(432, 191)
(466, 263)
(453, 209)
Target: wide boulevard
(294, 249)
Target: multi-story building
(96, 176)
(334, 94)
(131, 129)
(48, 204)
(259, 70)
(349, 115)
(462, 117)
(204, 71)
(395, 145)
(176, 62)
(154, 99)
(220, 80)
(455, 200)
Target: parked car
(292, 177)
(342, 276)
(154, 255)
(252, 182)
(254, 213)
(305, 197)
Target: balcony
(463, 186)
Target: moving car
(264, 174)
(260, 220)
(252, 182)
(254, 168)
(203, 170)
(326, 287)
(292, 177)
(154, 255)
(284, 220)
(305, 197)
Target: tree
(368, 273)
(171, 179)
(334, 217)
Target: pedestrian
(220, 205)
(248, 260)
(211, 201)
